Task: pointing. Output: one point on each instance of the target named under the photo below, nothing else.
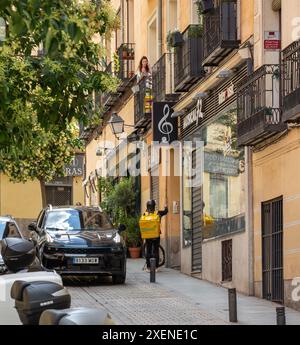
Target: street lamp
(117, 124)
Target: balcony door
(152, 40)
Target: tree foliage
(51, 64)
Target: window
(172, 15)
(12, 230)
(224, 177)
(227, 261)
(72, 219)
(152, 41)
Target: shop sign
(226, 94)
(194, 115)
(165, 128)
(216, 163)
(272, 40)
(75, 168)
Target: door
(272, 250)
(59, 195)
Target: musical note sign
(165, 128)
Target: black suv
(79, 240)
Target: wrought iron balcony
(143, 101)
(126, 56)
(291, 82)
(259, 111)
(163, 79)
(188, 59)
(220, 32)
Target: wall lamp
(226, 73)
(117, 124)
(200, 95)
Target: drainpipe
(123, 21)
(159, 20)
(249, 214)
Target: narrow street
(175, 299)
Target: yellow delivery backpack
(150, 225)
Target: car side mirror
(32, 227)
(122, 228)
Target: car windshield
(72, 219)
(2, 228)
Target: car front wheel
(119, 278)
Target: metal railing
(126, 54)
(143, 101)
(258, 98)
(188, 59)
(223, 227)
(291, 75)
(220, 28)
(163, 77)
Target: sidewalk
(213, 299)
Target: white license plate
(86, 261)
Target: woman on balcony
(144, 76)
(144, 69)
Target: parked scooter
(19, 255)
(27, 292)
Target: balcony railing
(143, 100)
(126, 56)
(259, 111)
(163, 78)
(220, 32)
(291, 82)
(188, 59)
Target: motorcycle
(31, 295)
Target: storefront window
(224, 178)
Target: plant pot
(135, 253)
(177, 39)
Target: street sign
(272, 40)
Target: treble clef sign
(164, 126)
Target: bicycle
(162, 255)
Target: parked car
(8, 228)
(79, 240)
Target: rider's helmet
(151, 206)
(17, 253)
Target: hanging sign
(165, 128)
(194, 116)
(226, 94)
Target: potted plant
(133, 237)
(174, 39)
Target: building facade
(269, 109)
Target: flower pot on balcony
(206, 6)
(135, 253)
(177, 39)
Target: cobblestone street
(175, 299)
(139, 302)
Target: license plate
(86, 261)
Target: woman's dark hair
(141, 64)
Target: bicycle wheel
(162, 255)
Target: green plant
(195, 31)
(132, 234)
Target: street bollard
(280, 313)
(232, 305)
(152, 270)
